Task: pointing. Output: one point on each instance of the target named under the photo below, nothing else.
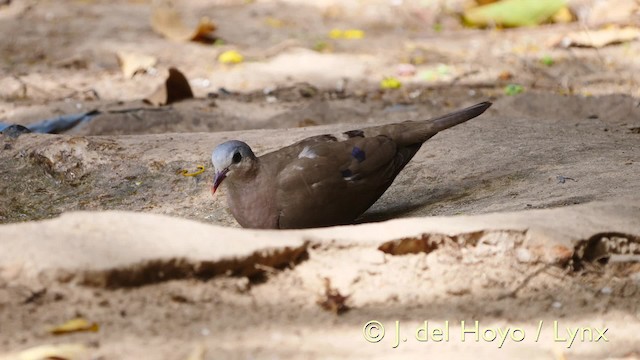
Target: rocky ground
(524, 218)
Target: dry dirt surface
(524, 222)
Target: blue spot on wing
(346, 173)
(358, 154)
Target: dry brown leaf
(610, 12)
(307, 122)
(74, 325)
(174, 89)
(167, 21)
(131, 63)
(332, 300)
(485, 2)
(43, 352)
(505, 76)
(599, 38)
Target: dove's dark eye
(236, 158)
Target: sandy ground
(555, 168)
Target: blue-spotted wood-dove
(323, 180)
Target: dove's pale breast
(252, 204)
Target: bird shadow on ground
(481, 187)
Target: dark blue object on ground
(58, 124)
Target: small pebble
(606, 290)
(523, 255)
(201, 83)
(405, 70)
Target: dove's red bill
(217, 180)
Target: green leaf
(513, 89)
(547, 60)
(513, 13)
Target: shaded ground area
(572, 137)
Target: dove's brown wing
(335, 182)
(322, 181)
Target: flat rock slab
(125, 249)
(115, 249)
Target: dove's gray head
(234, 160)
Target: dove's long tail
(459, 116)
(416, 132)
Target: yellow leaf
(353, 34)
(185, 172)
(274, 22)
(563, 16)
(350, 34)
(390, 83)
(335, 34)
(230, 57)
(75, 325)
(59, 351)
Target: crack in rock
(430, 242)
(155, 271)
(599, 248)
